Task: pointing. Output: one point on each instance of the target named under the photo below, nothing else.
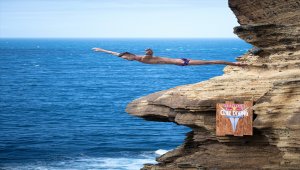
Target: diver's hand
(97, 49)
(105, 51)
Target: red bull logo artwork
(234, 119)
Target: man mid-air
(148, 58)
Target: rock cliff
(272, 81)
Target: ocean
(62, 106)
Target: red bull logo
(234, 119)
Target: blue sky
(116, 18)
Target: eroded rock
(272, 81)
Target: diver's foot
(240, 64)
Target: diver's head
(149, 51)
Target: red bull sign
(234, 119)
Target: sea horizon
(120, 38)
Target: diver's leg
(203, 62)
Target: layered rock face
(272, 81)
(273, 25)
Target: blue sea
(62, 106)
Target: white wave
(161, 152)
(101, 163)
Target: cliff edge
(272, 81)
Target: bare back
(158, 60)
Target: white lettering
(242, 113)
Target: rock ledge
(272, 82)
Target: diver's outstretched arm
(106, 51)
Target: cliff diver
(148, 58)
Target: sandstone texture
(272, 81)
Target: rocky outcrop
(272, 25)
(272, 81)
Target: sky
(116, 19)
